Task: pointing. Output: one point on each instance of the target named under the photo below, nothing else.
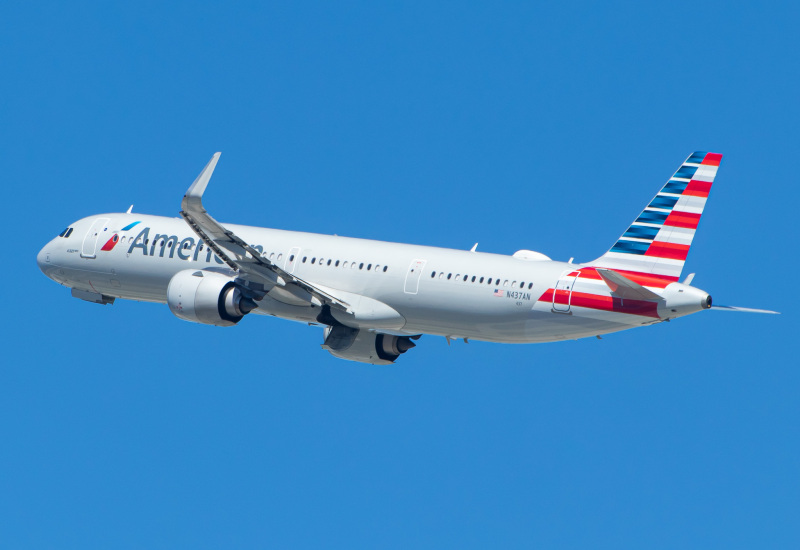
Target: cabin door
(412, 276)
(89, 248)
(562, 296)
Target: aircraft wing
(239, 255)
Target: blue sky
(516, 125)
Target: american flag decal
(498, 293)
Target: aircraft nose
(43, 259)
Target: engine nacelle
(365, 347)
(207, 297)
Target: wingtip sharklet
(198, 187)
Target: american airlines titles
(170, 245)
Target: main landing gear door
(89, 248)
(562, 296)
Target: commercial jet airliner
(375, 299)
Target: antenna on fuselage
(474, 247)
(130, 208)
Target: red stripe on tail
(697, 188)
(644, 279)
(671, 251)
(682, 219)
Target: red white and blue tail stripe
(658, 241)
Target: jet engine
(207, 297)
(366, 347)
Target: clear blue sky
(545, 126)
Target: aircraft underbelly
(536, 327)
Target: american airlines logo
(112, 242)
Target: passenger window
(291, 258)
(353, 265)
(329, 262)
(336, 264)
(505, 283)
(272, 256)
(369, 267)
(361, 265)
(433, 275)
(473, 278)
(481, 280)
(449, 275)
(305, 258)
(530, 286)
(385, 268)
(513, 284)
(522, 284)
(489, 281)
(313, 260)
(280, 256)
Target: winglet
(194, 196)
(217, 237)
(624, 287)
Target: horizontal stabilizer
(745, 309)
(624, 287)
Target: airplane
(375, 299)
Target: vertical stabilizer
(658, 241)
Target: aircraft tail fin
(658, 241)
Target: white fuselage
(452, 293)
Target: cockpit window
(66, 233)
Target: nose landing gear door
(98, 228)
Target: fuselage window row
(466, 278)
(272, 255)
